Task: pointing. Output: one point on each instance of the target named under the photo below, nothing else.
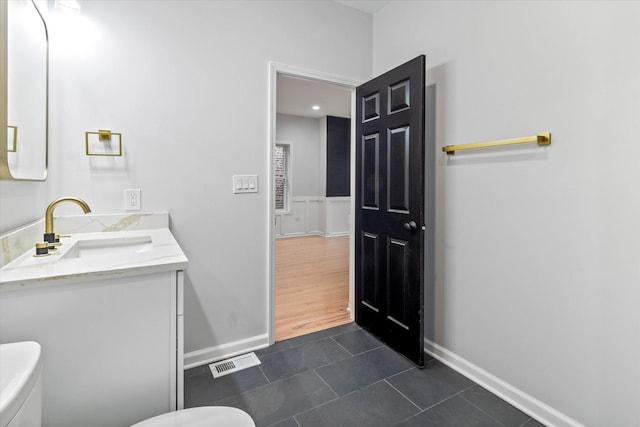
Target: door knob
(411, 226)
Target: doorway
(316, 242)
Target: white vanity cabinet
(112, 347)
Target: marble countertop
(144, 251)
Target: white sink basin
(20, 371)
(87, 256)
(90, 248)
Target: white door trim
(276, 68)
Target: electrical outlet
(132, 199)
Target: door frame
(276, 68)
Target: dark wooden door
(389, 208)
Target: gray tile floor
(345, 377)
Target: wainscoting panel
(295, 223)
(323, 216)
(338, 212)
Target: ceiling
(369, 6)
(297, 96)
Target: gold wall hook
(104, 135)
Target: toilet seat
(205, 416)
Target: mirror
(24, 54)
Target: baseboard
(301, 234)
(516, 397)
(223, 351)
(337, 234)
(313, 233)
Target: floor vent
(235, 364)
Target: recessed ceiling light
(316, 107)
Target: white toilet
(205, 416)
(20, 384)
(21, 396)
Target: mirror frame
(5, 170)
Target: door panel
(398, 169)
(399, 98)
(398, 252)
(389, 207)
(370, 172)
(369, 260)
(371, 107)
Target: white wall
(21, 202)
(537, 264)
(303, 136)
(187, 83)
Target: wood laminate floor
(312, 284)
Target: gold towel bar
(541, 139)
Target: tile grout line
(290, 416)
(477, 407)
(362, 352)
(313, 408)
(349, 356)
(527, 422)
(260, 387)
(403, 395)
(343, 360)
(447, 398)
(489, 415)
(293, 417)
(321, 338)
(343, 347)
(332, 400)
(327, 384)
(263, 374)
(401, 372)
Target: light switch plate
(245, 184)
